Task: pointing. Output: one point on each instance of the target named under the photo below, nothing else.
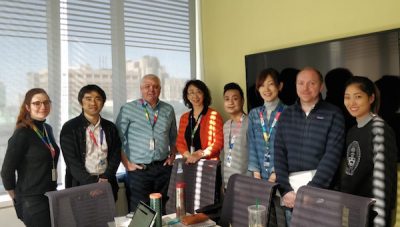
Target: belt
(153, 163)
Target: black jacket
(73, 146)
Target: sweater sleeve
(333, 152)
(16, 150)
(216, 143)
(253, 158)
(281, 160)
(181, 144)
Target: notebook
(144, 216)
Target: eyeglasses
(46, 103)
(195, 93)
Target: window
(62, 45)
(23, 54)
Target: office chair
(203, 181)
(322, 207)
(243, 191)
(82, 206)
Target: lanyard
(148, 115)
(264, 126)
(45, 141)
(195, 127)
(93, 138)
(235, 132)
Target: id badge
(191, 149)
(54, 174)
(229, 160)
(152, 144)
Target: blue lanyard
(235, 133)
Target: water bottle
(180, 200)
(155, 204)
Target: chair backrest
(328, 208)
(201, 183)
(87, 205)
(243, 191)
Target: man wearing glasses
(90, 144)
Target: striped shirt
(261, 153)
(239, 153)
(137, 133)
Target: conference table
(168, 221)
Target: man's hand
(103, 180)
(170, 160)
(130, 166)
(272, 177)
(289, 198)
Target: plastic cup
(257, 216)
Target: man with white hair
(147, 128)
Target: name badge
(152, 144)
(54, 174)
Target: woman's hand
(194, 157)
(272, 177)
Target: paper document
(301, 178)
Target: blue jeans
(288, 216)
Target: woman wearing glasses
(33, 153)
(200, 132)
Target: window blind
(86, 21)
(23, 19)
(157, 24)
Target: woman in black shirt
(32, 153)
(370, 161)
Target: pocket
(18, 208)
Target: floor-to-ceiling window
(62, 45)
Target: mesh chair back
(201, 183)
(243, 191)
(87, 205)
(321, 207)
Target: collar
(86, 123)
(363, 121)
(148, 104)
(271, 105)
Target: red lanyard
(45, 141)
(93, 138)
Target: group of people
(274, 142)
